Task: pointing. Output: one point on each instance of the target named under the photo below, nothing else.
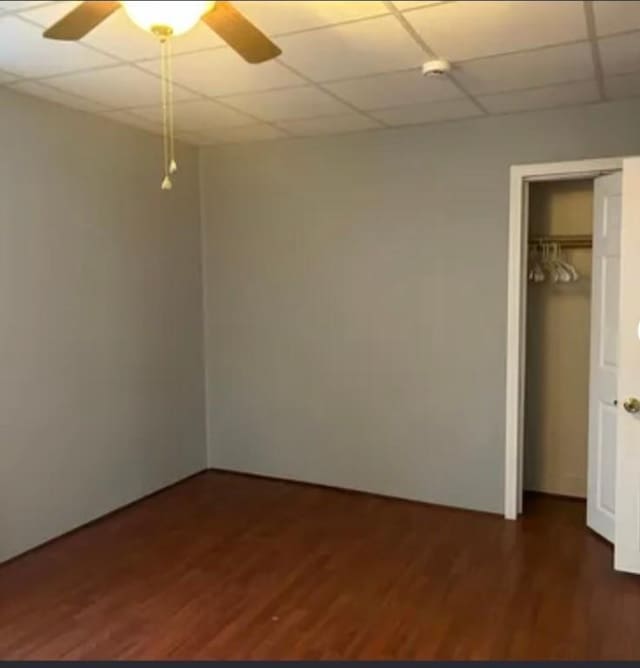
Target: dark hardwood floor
(226, 566)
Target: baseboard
(101, 518)
(554, 495)
(350, 490)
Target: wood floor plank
(236, 567)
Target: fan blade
(240, 34)
(81, 20)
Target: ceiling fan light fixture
(167, 17)
(164, 19)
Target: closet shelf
(564, 240)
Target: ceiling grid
(346, 66)
(595, 49)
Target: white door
(627, 500)
(603, 385)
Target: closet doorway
(570, 378)
(556, 430)
(570, 429)
(573, 343)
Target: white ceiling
(345, 66)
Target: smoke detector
(436, 68)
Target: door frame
(520, 177)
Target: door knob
(632, 405)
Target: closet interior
(558, 332)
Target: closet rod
(564, 240)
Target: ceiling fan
(166, 19)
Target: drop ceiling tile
(620, 54)
(115, 87)
(25, 52)
(53, 95)
(514, 71)
(247, 133)
(274, 17)
(623, 85)
(329, 125)
(278, 105)
(376, 45)
(580, 92)
(135, 121)
(388, 90)
(20, 5)
(48, 13)
(414, 114)
(189, 138)
(120, 37)
(614, 16)
(5, 77)
(465, 30)
(224, 72)
(198, 116)
(404, 5)
(199, 38)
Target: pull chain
(173, 167)
(168, 142)
(166, 181)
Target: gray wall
(355, 299)
(101, 384)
